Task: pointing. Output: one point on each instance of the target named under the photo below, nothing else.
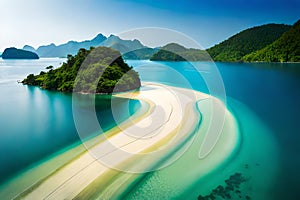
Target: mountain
(130, 49)
(247, 41)
(14, 53)
(49, 51)
(284, 49)
(98, 70)
(29, 48)
(122, 45)
(176, 52)
(72, 47)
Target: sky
(208, 22)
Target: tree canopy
(285, 49)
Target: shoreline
(72, 172)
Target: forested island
(14, 53)
(98, 70)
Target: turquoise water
(265, 100)
(36, 123)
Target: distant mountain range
(63, 50)
(72, 47)
(266, 43)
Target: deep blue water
(269, 90)
(274, 95)
(36, 123)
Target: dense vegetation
(100, 70)
(285, 49)
(247, 41)
(14, 53)
(176, 52)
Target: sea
(35, 124)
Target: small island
(98, 70)
(14, 53)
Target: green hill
(140, 54)
(247, 41)
(285, 49)
(176, 52)
(102, 70)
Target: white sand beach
(136, 146)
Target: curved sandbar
(170, 121)
(178, 180)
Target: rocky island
(14, 53)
